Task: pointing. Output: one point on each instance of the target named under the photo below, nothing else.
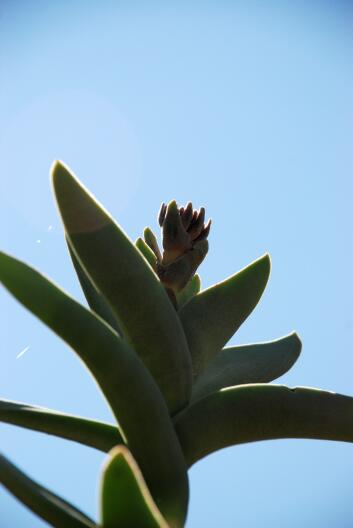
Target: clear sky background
(243, 107)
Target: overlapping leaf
(127, 385)
(191, 289)
(215, 314)
(147, 252)
(100, 435)
(40, 500)
(125, 499)
(256, 363)
(248, 413)
(120, 273)
(151, 242)
(94, 298)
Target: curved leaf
(211, 317)
(152, 242)
(192, 288)
(257, 363)
(125, 498)
(95, 300)
(127, 385)
(147, 252)
(92, 433)
(40, 500)
(248, 413)
(119, 271)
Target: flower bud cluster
(185, 245)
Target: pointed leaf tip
(125, 498)
(55, 166)
(298, 341)
(60, 170)
(265, 259)
(119, 373)
(120, 273)
(253, 363)
(213, 316)
(80, 211)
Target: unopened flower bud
(184, 235)
(176, 240)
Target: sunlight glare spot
(22, 352)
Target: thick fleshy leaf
(147, 252)
(257, 363)
(152, 242)
(192, 288)
(40, 500)
(214, 315)
(94, 298)
(248, 413)
(145, 314)
(127, 385)
(125, 498)
(100, 435)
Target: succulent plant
(156, 346)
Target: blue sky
(243, 107)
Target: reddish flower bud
(184, 244)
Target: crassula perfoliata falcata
(155, 342)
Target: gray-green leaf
(147, 252)
(127, 385)
(40, 500)
(152, 242)
(100, 435)
(125, 498)
(191, 289)
(94, 298)
(214, 315)
(145, 314)
(249, 413)
(257, 363)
